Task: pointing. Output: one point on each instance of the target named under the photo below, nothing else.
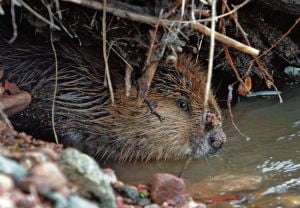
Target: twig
(151, 66)
(229, 98)
(56, 75)
(128, 73)
(164, 22)
(43, 19)
(211, 58)
(105, 53)
(145, 81)
(267, 77)
(229, 59)
(150, 51)
(13, 20)
(225, 40)
(185, 166)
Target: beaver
(86, 119)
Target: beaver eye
(183, 104)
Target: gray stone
(12, 168)
(84, 171)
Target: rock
(129, 192)
(6, 183)
(6, 202)
(109, 175)
(73, 201)
(40, 187)
(12, 168)
(152, 206)
(193, 204)
(79, 202)
(143, 202)
(119, 201)
(50, 174)
(84, 172)
(168, 188)
(118, 185)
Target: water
(272, 153)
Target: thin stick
(225, 40)
(43, 19)
(211, 58)
(56, 72)
(13, 20)
(229, 98)
(56, 79)
(105, 53)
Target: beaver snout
(216, 138)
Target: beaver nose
(216, 138)
(215, 143)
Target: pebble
(168, 188)
(6, 202)
(109, 175)
(6, 183)
(118, 185)
(73, 201)
(152, 206)
(12, 168)
(143, 202)
(50, 174)
(128, 192)
(84, 171)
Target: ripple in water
(278, 166)
(283, 188)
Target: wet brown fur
(85, 118)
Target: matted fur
(85, 118)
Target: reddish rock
(168, 188)
(50, 174)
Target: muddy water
(270, 158)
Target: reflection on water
(273, 152)
(283, 188)
(279, 166)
